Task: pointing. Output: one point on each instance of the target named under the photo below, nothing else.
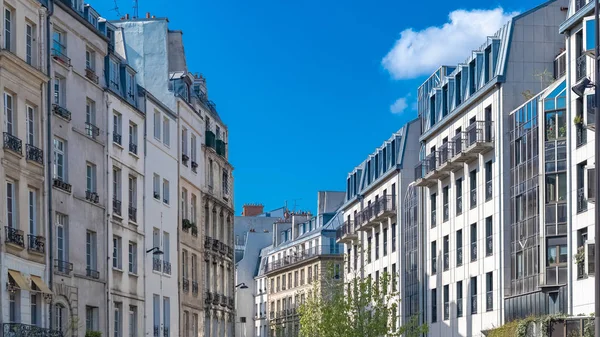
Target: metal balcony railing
(581, 67)
(92, 196)
(433, 265)
(13, 143)
(185, 285)
(208, 297)
(488, 190)
(458, 143)
(92, 273)
(60, 184)
(473, 304)
(60, 55)
(36, 243)
(194, 166)
(303, 256)
(445, 152)
(91, 75)
(133, 148)
(446, 212)
(61, 112)
(459, 205)
(117, 206)
(489, 245)
(581, 135)
(91, 130)
(132, 211)
(167, 267)
(446, 261)
(433, 218)
(23, 330)
(421, 170)
(156, 331)
(582, 203)
(459, 307)
(14, 236)
(560, 62)
(35, 154)
(479, 132)
(63, 267)
(489, 301)
(473, 198)
(156, 264)
(117, 138)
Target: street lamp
(155, 251)
(242, 286)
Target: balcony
(580, 67)
(34, 154)
(185, 285)
(91, 75)
(133, 148)
(216, 299)
(580, 136)
(13, 143)
(220, 147)
(63, 267)
(117, 207)
(62, 185)
(208, 297)
(459, 155)
(156, 264)
(61, 112)
(302, 256)
(210, 139)
(223, 301)
(229, 252)
(194, 167)
(132, 211)
(346, 233)
(582, 203)
(92, 273)
(445, 154)
(365, 219)
(37, 244)
(384, 207)
(167, 267)
(560, 62)
(14, 236)
(231, 303)
(479, 137)
(24, 330)
(184, 159)
(195, 287)
(91, 130)
(60, 54)
(117, 138)
(92, 197)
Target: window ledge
(134, 155)
(117, 269)
(133, 274)
(118, 145)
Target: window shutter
(591, 183)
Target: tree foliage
(362, 307)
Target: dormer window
(93, 20)
(113, 74)
(130, 87)
(181, 88)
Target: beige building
(23, 82)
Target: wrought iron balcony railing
(195, 287)
(581, 135)
(36, 243)
(156, 264)
(14, 236)
(117, 207)
(60, 55)
(61, 112)
(581, 67)
(92, 196)
(117, 138)
(92, 273)
(156, 331)
(60, 184)
(582, 203)
(91, 75)
(13, 143)
(25, 330)
(63, 267)
(34, 154)
(132, 211)
(167, 267)
(185, 285)
(194, 166)
(208, 297)
(479, 132)
(133, 148)
(303, 256)
(185, 158)
(91, 130)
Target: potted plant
(578, 120)
(580, 256)
(187, 224)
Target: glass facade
(410, 233)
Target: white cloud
(400, 105)
(418, 53)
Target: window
(9, 118)
(393, 237)
(118, 319)
(446, 302)
(90, 119)
(433, 305)
(113, 69)
(91, 318)
(557, 251)
(32, 211)
(166, 191)
(133, 138)
(459, 193)
(29, 38)
(90, 59)
(31, 126)
(377, 246)
(90, 251)
(194, 268)
(225, 183)
(556, 187)
(385, 238)
(166, 315)
(130, 87)
(591, 189)
(166, 132)
(117, 128)
(116, 184)
(91, 177)
(117, 260)
(133, 193)
(156, 186)
(194, 212)
(132, 257)
(473, 242)
(157, 125)
(433, 258)
(474, 295)
(473, 186)
(446, 252)
(184, 141)
(186, 324)
(166, 247)
(488, 180)
(184, 264)
(556, 125)
(433, 210)
(369, 248)
(184, 203)
(156, 311)
(459, 248)
(8, 22)
(445, 201)
(133, 321)
(195, 325)
(11, 205)
(61, 316)
(489, 235)
(210, 174)
(393, 277)
(59, 91)
(489, 293)
(62, 241)
(193, 146)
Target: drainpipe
(501, 119)
(570, 209)
(50, 11)
(144, 215)
(179, 149)
(108, 212)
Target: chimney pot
(126, 16)
(147, 15)
(154, 16)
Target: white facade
(161, 290)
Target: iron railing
(303, 256)
(459, 307)
(581, 135)
(14, 236)
(445, 153)
(195, 287)
(61, 112)
(34, 154)
(132, 211)
(13, 143)
(59, 54)
(479, 132)
(489, 245)
(64, 267)
(117, 206)
(458, 143)
(92, 196)
(194, 166)
(117, 138)
(185, 285)
(36, 243)
(581, 67)
(473, 197)
(459, 256)
(156, 264)
(184, 159)
(488, 190)
(421, 170)
(560, 62)
(91, 75)
(433, 265)
(60, 184)
(167, 267)
(26, 330)
(91, 130)
(459, 205)
(132, 148)
(92, 273)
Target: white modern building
(464, 199)
(372, 218)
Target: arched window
(61, 316)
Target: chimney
(252, 209)
(147, 15)
(126, 16)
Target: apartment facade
(78, 200)
(374, 190)
(463, 112)
(25, 293)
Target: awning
(19, 279)
(40, 284)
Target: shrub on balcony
(580, 256)
(187, 224)
(93, 334)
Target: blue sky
(303, 85)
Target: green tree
(362, 307)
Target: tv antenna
(135, 9)
(116, 9)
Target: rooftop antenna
(116, 9)
(135, 9)
(296, 204)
